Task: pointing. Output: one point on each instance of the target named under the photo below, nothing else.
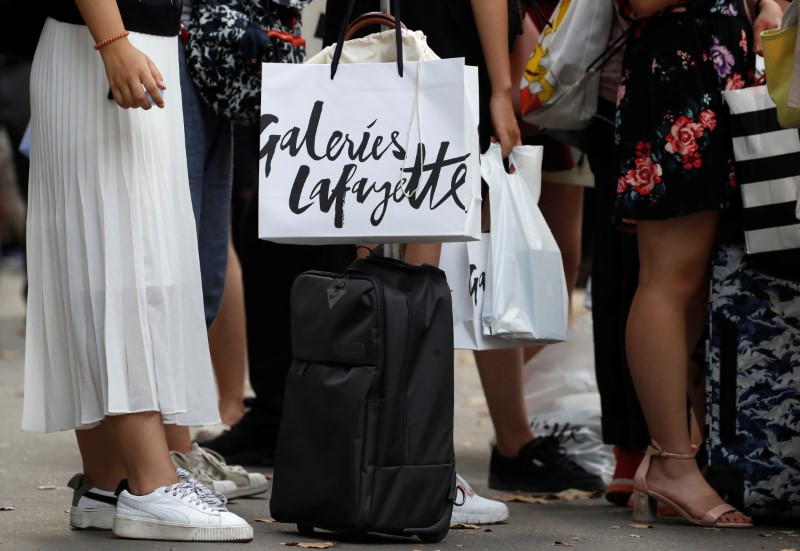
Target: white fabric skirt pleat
(115, 320)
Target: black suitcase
(753, 382)
(366, 437)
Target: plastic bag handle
(337, 53)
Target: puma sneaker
(92, 509)
(179, 512)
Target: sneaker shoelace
(557, 450)
(216, 460)
(214, 499)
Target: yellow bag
(782, 61)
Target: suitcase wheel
(434, 538)
(305, 529)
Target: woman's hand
(504, 121)
(769, 17)
(130, 73)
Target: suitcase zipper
(409, 351)
(409, 348)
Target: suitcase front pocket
(321, 447)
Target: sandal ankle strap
(656, 450)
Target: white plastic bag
(526, 291)
(562, 399)
(464, 264)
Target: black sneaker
(541, 468)
(249, 442)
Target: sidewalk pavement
(34, 470)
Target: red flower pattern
(734, 82)
(708, 119)
(682, 138)
(645, 174)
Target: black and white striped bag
(767, 160)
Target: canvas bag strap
(337, 53)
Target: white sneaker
(470, 508)
(179, 512)
(208, 478)
(211, 463)
(92, 509)
(215, 499)
(210, 432)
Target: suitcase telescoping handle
(390, 22)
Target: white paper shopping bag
(369, 156)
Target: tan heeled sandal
(645, 501)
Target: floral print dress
(674, 147)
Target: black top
(157, 17)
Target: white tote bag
(562, 78)
(767, 159)
(464, 264)
(526, 298)
(370, 156)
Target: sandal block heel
(644, 507)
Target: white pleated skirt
(115, 320)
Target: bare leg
(695, 382)
(179, 438)
(674, 255)
(422, 253)
(228, 344)
(562, 208)
(501, 377)
(132, 446)
(103, 466)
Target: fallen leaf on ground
(635, 536)
(462, 526)
(765, 535)
(562, 544)
(569, 495)
(788, 550)
(641, 526)
(8, 508)
(47, 487)
(515, 498)
(613, 527)
(264, 520)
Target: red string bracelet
(111, 39)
